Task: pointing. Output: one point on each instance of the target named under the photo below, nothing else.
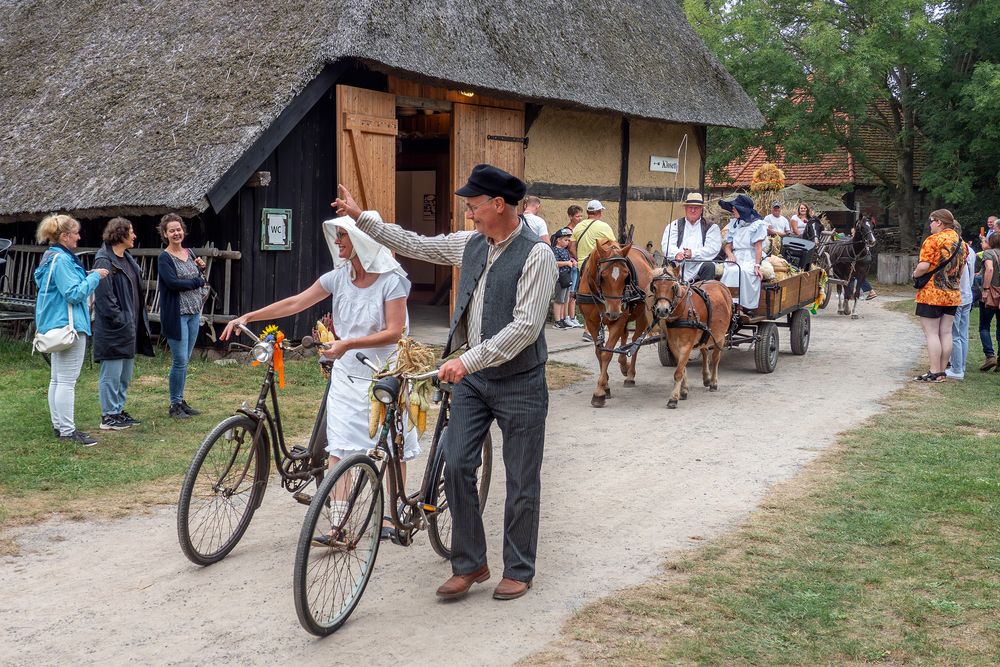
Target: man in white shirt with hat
(692, 238)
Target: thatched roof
(143, 106)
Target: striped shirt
(534, 287)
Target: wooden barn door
(481, 134)
(366, 148)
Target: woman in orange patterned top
(938, 300)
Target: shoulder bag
(991, 292)
(920, 281)
(61, 338)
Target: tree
(821, 71)
(961, 113)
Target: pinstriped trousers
(519, 403)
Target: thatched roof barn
(118, 106)
(237, 114)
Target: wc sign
(661, 163)
(276, 229)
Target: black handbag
(920, 281)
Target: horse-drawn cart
(785, 303)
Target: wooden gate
(366, 148)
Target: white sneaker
(953, 376)
(573, 322)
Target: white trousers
(66, 367)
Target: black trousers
(519, 404)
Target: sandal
(871, 295)
(938, 377)
(926, 377)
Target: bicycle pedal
(430, 509)
(403, 540)
(302, 497)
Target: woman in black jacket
(181, 297)
(121, 326)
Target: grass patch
(886, 549)
(142, 466)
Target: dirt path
(624, 487)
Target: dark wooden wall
(303, 179)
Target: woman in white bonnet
(369, 290)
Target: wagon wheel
(766, 348)
(663, 351)
(800, 329)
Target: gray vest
(499, 299)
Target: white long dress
(359, 311)
(743, 236)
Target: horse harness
(631, 295)
(691, 320)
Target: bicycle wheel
(439, 523)
(329, 579)
(223, 487)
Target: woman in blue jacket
(62, 281)
(181, 297)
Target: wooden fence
(18, 289)
(896, 268)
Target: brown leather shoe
(458, 585)
(990, 362)
(510, 589)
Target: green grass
(38, 473)
(885, 550)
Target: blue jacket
(70, 284)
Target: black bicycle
(339, 539)
(226, 480)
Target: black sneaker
(79, 438)
(128, 419)
(188, 409)
(113, 423)
(587, 337)
(559, 324)
(177, 411)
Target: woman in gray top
(182, 290)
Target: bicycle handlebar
(406, 376)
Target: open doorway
(423, 199)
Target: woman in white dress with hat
(368, 289)
(744, 245)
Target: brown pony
(692, 316)
(613, 291)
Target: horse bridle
(631, 295)
(691, 321)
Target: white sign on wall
(660, 163)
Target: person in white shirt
(799, 220)
(693, 240)
(777, 224)
(533, 220)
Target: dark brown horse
(613, 293)
(692, 316)
(850, 260)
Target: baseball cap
(594, 205)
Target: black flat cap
(486, 179)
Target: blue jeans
(960, 339)
(180, 352)
(986, 316)
(112, 384)
(66, 367)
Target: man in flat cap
(693, 241)
(507, 278)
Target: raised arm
(443, 249)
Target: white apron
(742, 276)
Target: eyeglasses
(341, 234)
(473, 209)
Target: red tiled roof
(833, 168)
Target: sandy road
(624, 487)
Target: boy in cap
(565, 264)
(504, 288)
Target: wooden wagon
(785, 303)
